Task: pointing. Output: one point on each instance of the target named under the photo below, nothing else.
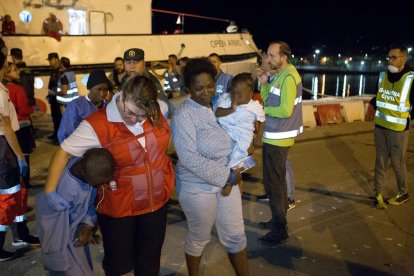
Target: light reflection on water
(318, 85)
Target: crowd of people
(112, 170)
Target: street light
(317, 51)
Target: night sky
(347, 27)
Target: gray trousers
(289, 180)
(390, 146)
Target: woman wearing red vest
(132, 209)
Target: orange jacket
(144, 176)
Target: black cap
(16, 52)
(134, 54)
(96, 77)
(52, 55)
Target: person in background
(117, 74)
(13, 166)
(8, 27)
(266, 67)
(283, 109)
(67, 89)
(172, 77)
(202, 172)
(393, 103)
(27, 81)
(26, 78)
(66, 218)
(135, 65)
(132, 212)
(52, 26)
(223, 80)
(24, 137)
(238, 115)
(78, 109)
(55, 111)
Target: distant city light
(314, 55)
(362, 62)
(350, 58)
(317, 51)
(339, 55)
(301, 59)
(346, 62)
(366, 55)
(379, 61)
(410, 49)
(293, 56)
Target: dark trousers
(274, 180)
(56, 114)
(133, 243)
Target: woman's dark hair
(143, 93)
(198, 66)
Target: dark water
(337, 84)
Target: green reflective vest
(393, 104)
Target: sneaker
(6, 255)
(398, 199)
(262, 198)
(274, 238)
(19, 243)
(32, 240)
(379, 202)
(264, 224)
(291, 204)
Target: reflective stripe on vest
(282, 135)
(11, 190)
(20, 218)
(4, 228)
(392, 119)
(71, 93)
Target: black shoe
(31, 240)
(291, 204)
(262, 198)
(52, 137)
(274, 238)
(6, 255)
(265, 224)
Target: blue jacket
(75, 112)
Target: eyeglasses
(393, 57)
(128, 113)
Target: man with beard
(282, 99)
(117, 74)
(394, 101)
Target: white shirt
(7, 108)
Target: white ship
(97, 31)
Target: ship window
(77, 22)
(38, 83)
(25, 16)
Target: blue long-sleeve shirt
(75, 112)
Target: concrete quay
(334, 229)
